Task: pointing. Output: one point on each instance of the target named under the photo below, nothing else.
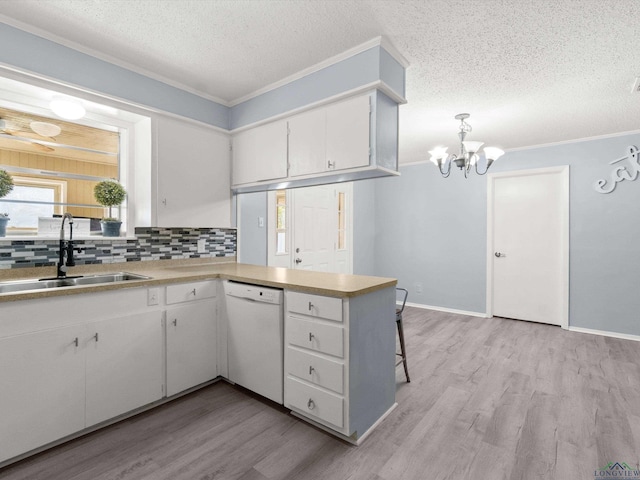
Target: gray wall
(252, 238)
(430, 231)
(35, 54)
(364, 227)
(433, 231)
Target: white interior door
(528, 258)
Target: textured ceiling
(530, 72)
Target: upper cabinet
(336, 137)
(348, 133)
(343, 141)
(194, 175)
(260, 154)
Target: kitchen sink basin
(47, 283)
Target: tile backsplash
(151, 243)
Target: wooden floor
(489, 399)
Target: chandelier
(469, 153)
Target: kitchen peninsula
(78, 358)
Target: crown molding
(107, 58)
(575, 140)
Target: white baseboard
(448, 310)
(605, 333)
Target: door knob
(298, 260)
(499, 254)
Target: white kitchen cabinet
(347, 133)
(194, 175)
(124, 359)
(346, 140)
(191, 345)
(260, 153)
(308, 143)
(42, 380)
(340, 360)
(56, 379)
(335, 137)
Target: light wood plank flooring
(489, 399)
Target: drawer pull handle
(193, 292)
(95, 337)
(311, 369)
(76, 341)
(311, 337)
(310, 306)
(311, 404)
(175, 322)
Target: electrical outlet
(260, 222)
(152, 296)
(418, 288)
(202, 245)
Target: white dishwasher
(255, 338)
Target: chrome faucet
(66, 248)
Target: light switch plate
(152, 296)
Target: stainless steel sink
(25, 285)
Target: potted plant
(6, 185)
(110, 193)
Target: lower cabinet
(42, 381)
(191, 345)
(339, 360)
(124, 359)
(60, 372)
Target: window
(33, 198)
(57, 174)
(281, 222)
(341, 222)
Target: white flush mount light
(45, 129)
(68, 108)
(469, 153)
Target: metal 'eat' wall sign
(627, 171)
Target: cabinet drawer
(314, 403)
(315, 305)
(315, 336)
(186, 292)
(314, 369)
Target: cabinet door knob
(311, 404)
(175, 322)
(311, 336)
(193, 292)
(310, 306)
(330, 164)
(76, 341)
(95, 337)
(311, 369)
